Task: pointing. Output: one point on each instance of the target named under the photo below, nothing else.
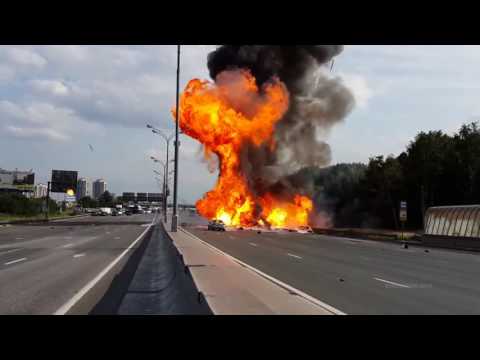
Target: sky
(56, 101)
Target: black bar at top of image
(297, 26)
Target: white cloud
(25, 56)
(27, 132)
(43, 120)
(6, 73)
(66, 53)
(53, 87)
(359, 87)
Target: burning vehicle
(263, 118)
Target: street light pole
(166, 180)
(167, 141)
(165, 185)
(175, 179)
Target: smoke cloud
(318, 101)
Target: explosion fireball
(225, 116)
(264, 117)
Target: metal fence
(455, 221)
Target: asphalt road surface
(358, 276)
(43, 266)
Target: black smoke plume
(317, 102)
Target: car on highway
(117, 212)
(216, 225)
(95, 212)
(305, 229)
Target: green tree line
(17, 204)
(435, 169)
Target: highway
(43, 266)
(357, 276)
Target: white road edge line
(79, 255)
(392, 283)
(271, 278)
(15, 261)
(67, 245)
(253, 244)
(295, 256)
(70, 303)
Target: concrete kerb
(237, 299)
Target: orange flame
(223, 117)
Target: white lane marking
(67, 245)
(70, 303)
(78, 255)
(271, 278)
(392, 283)
(253, 244)
(15, 261)
(294, 256)
(10, 251)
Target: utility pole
(177, 144)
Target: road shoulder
(234, 288)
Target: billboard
(63, 180)
(17, 180)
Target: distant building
(99, 187)
(17, 181)
(129, 196)
(155, 197)
(40, 191)
(84, 188)
(142, 197)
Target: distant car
(305, 229)
(216, 225)
(116, 212)
(128, 212)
